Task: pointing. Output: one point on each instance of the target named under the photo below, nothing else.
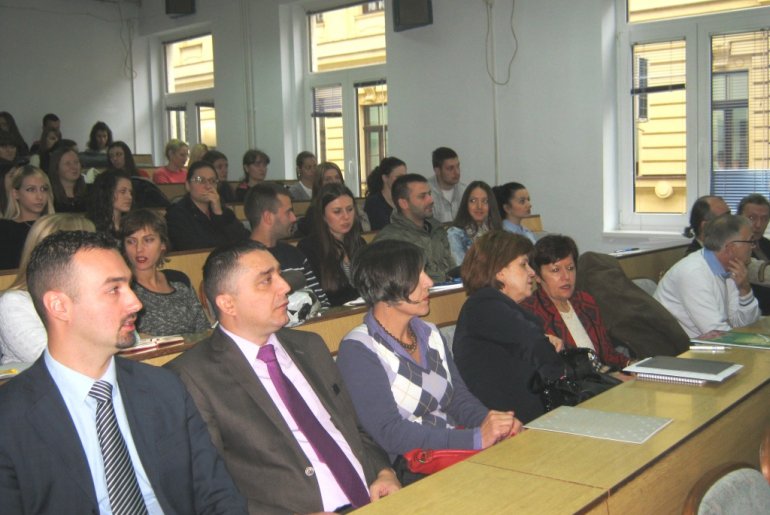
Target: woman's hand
(498, 425)
(557, 342)
(215, 203)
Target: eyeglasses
(753, 243)
(203, 180)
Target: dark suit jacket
(266, 461)
(43, 468)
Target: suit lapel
(227, 355)
(139, 401)
(51, 419)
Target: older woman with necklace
(405, 387)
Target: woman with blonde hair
(22, 334)
(29, 198)
(177, 152)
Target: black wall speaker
(409, 14)
(180, 7)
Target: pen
(629, 249)
(708, 348)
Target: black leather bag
(581, 381)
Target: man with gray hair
(709, 290)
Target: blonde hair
(17, 177)
(174, 145)
(44, 227)
(197, 152)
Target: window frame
(347, 79)
(189, 100)
(696, 31)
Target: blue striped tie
(122, 487)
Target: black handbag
(581, 381)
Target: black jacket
(189, 228)
(498, 348)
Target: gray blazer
(263, 456)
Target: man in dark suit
(78, 399)
(253, 421)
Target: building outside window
(348, 89)
(189, 94)
(693, 106)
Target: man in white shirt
(709, 290)
(85, 432)
(445, 185)
(273, 455)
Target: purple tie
(324, 445)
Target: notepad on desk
(620, 427)
(737, 339)
(668, 369)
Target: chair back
(733, 488)
(764, 455)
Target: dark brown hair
(488, 255)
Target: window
(189, 96)
(740, 116)
(348, 37)
(660, 128)
(348, 90)
(373, 7)
(327, 116)
(372, 101)
(651, 10)
(692, 110)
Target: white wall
(65, 57)
(555, 120)
(551, 116)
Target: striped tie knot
(101, 391)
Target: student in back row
(414, 222)
(200, 220)
(271, 215)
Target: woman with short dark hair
(334, 239)
(398, 369)
(254, 172)
(566, 313)
(500, 348)
(170, 305)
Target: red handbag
(428, 461)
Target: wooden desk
(471, 488)
(711, 426)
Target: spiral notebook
(668, 369)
